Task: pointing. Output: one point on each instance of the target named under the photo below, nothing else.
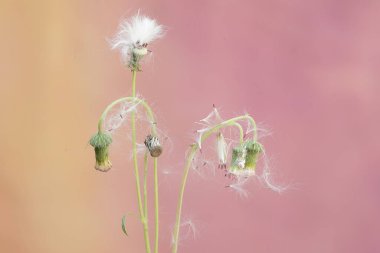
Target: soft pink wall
(307, 69)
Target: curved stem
(252, 121)
(190, 157)
(128, 99)
(105, 112)
(241, 132)
(231, 122)
(156, 206)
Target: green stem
(144, 219)
(253, 122)
(241, 132)
(143, 210)
(190, 157)
(231, 122)
(189, 160)
(145, 184)
(128, 99)
(156, 206)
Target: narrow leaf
(123, 226)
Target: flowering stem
(156, 206)
(134, 72)
(241, 132)
(189, 160)
(143, 213)
(143, 218)
(190, 157)
(145, 184)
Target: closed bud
(253, 151)
(153, 145)
(101, 142)
(238, 158)
(244, 159)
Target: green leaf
(123, 226)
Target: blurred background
(308, 70)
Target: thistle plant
(237, 159)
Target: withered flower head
(153, 145)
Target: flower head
(244, 159)
(101, 142)
(134, 36)
(240, 162)
(153, 145)
(253, 150)
(238, 157)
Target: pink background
(307, 69)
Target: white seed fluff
(134, 34)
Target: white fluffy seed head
(134, 35)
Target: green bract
(244, 158)
(238, 158)
(101, 142)
(253, 150)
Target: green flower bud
(253, 151)
(153, 145)
(244, 159)
(238, 158)
(101, 142)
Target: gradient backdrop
(307, 69)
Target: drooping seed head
(153, 145)
(238, 158)
(244, 159)
(101, 142)
(253, 149)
